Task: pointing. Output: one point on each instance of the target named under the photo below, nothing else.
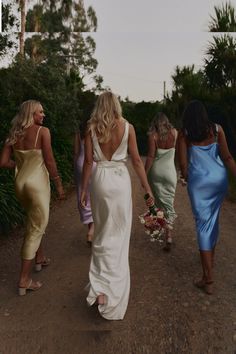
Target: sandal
(33, 286)
(204, 285)
(167, 247)
(39, 265)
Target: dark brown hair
(196, 124)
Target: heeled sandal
(39, 265)
(33, 286)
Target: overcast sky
(139, 43)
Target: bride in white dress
(108, 140)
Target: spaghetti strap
(216, 134)
(37, 135)
(176, 135)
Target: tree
(61, 30)
(22, 26)
(188, 84)
(220, 63)
(224, 19)
(9, 25)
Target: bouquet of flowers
(154, 221)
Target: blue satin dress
(207, 186)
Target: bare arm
(137, 162)
(50, 162)
(87, 167)
(224, 152)
(77, 142)
(182, 155)
(151, 152)
(5, 159)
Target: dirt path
(166, 314)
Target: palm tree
(224, 19)
(220, 64)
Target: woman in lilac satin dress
(85, 213)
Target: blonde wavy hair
(23, 120)
(103, 119)
(160, 125)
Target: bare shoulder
(44, 131)
(131, 127)
(152, 136)
(175, 131)
(181, 135)
(219, 127)
(45, 134)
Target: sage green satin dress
(162, 178)
(32, 188)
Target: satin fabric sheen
(207, 186)
(109, 272)
(32, 188)
(85, 213)
(162, 178)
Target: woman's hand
(61, 193)
(150, 200)
(83, 199)
(59, 187)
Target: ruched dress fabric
(85, 213)
(32, 188)
(207, 186)
(109, 272)
(162, 178)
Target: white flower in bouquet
(160, 214)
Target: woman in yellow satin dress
(30, 143)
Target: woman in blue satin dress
(203, 155)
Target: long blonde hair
(23, 120)
(160, 125)
(103, 119)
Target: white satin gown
(111, 200)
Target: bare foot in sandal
(32, 285)
(42, 263)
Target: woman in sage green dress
(160, 168)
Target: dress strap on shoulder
(176, 135)
(127, 126)
(216, 132)
(37, 135)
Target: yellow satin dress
(32, 188)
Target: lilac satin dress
(85, 213)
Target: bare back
(108, 149)
(169, 142)
(31, 139)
